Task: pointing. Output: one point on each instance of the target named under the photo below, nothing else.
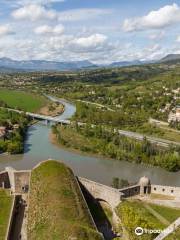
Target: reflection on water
(38, 148)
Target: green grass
(5, 208)
(22, 100)
(133, 214)
(171, 214)
(56, 208)
(174, 236)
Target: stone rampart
(102, 192)
(166, 190)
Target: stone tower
(145, 185)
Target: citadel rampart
(18, 183)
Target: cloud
(40, 1)
(161, 18)
(178, 39)
(92, 41)
(46, 29)
(28, 2)
(83, 13)
(5, 30)
(34, 12)
(157, 35)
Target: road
(158, 141)
(98, 105)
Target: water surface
(39, 148)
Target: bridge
(40, 116)
(140, 137)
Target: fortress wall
(166, 190)
(84, 200)
(130, 191)
(100, 191)
(4, 180)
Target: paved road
(98, 105)
(138, 136)
(158, 141)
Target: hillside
(56, 208)
(9, 65)
(171, 57)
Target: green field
(56, 208)
(5, 208)
(149, 216)
(174, 236)
(134, 214)
(171, 214)
(22, 100)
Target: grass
(174, 236)
(5, 208)
(171, 214)
(161, 196)
(56, 208)
(22, 100)
(133, 214)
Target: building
(2, 132)
(174, 116)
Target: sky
(101, 31)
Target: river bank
(97, 141)
(52, 109)
(38, 147)
(54, 141)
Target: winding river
(38, 147)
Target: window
(172, 191)
(163, 190)
(155, 189)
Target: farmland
(22, 100)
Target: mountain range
(9, 65)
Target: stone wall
(166, 190)
(4, 180)
(130, 191)
(102, 192)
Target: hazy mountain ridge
(9, 65)
(42, 65)
(170, 57)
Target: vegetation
(56, 207)
(119, 183)
(22, 100)
(15, 129)
(133, 214)
(5, 208)
(174, 236)
(171, 214)
(103, 141)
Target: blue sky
(101, 31)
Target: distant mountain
(40, 65)
(9, 65)
(171, 57)
(125, 63)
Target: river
(39, 148)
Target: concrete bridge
(102, 192)
(41, 116)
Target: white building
(174, 116)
